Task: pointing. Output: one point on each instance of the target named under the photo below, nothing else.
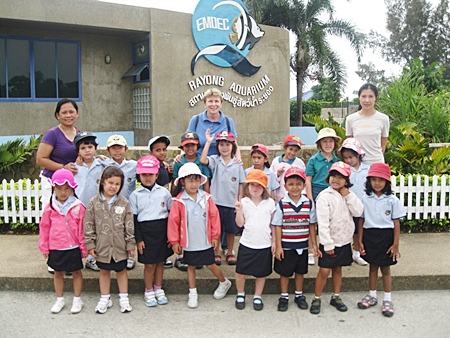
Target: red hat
(260, 147)
(293, 140)
(257, 176)
(342, 168)
(189, 137)
(295, 171)
(225, 135)
(380, 169)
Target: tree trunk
(300, 78)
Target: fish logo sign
(224, 33)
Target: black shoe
(180, 265)
(258, 304)
(199, 267)
(315, 306)
(168, 264)
(283, 304)
(301, 302)
(241, 304)
(338, 304)
(68, 273)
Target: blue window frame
(34, 69)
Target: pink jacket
(177, 224)
(53, 231)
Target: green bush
(310, 107)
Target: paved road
(418, 314)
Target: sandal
(388, 308)
(258, 304)
(367, 302)
(231, 259)
(240, 302)
(218, 259)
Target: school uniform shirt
(358, 178)
(379, 212)
(272, 183)
(193, 224)
(88, 180)
(129, 170)
(109, 229)
(203, 167)
(278, 163)
(225, 180)
(335, 217)
(257, 233)
(150, 205)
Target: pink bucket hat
(380, 169)
(188, 169)
(353, 144)
(147, 165)
(62, 176)
(342, 168)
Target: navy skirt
(376, 244)
(65, 260)
(254, 262)
(198, 258)
(154, 234)
(342, 257)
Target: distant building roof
(306, 96)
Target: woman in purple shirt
(56, 149)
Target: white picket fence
(413, 195)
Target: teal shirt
(318, 167)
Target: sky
(363, 14)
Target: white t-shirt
(257, 232)
(369, 131)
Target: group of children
(212, 199)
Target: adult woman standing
(368, 125)
(214, 120)
(56, 149)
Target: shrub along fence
(426, 200)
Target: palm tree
(313, 57)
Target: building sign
(224, 33)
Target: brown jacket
(109, 232)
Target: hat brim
(73, 185)
(256, 181)
(337, 138)
(147, 171)
(203, 179)
(117, 144)
(293, 144)
(340, 171)
(376, 173)
(188, 142)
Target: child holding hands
(194, 226)
(379, 233)
(61, 239)
(336, 206)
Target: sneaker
(168, 264)
(180, 265)
(50, 270)
(92, 264)
(76, 306)
(58, 306)
(311, 260)
(103, 305)
(283, 304)
(125, 305)
(338, 304)
(222, 289)
(131, 263)
(301, 302)
(315, 306)
(150, 299)
(161, 297)
(192, 300)
(358, 260)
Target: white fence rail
(21, 202)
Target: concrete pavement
(424, 265)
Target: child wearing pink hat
(379, 233)
(336, 206)
(61, 239)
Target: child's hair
(108, 172)
(179, 187)
(354, 153)
(265, 195)
(387, 188)
(337, 173)
(233, 151)
(51, 197)
(212, 91)
(266, 163)
(336, 144)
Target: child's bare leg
(337, 279)
(284, 284)
(149, 275)
(298, 282)
(259, 285)
(191, 272)
(373, 277)
(240, 283)
(122, 281)
(104, 281)
(217, 272)
(321, 280)
(386, 276)
(58, 282)
(159, 274)
(355, 242)
(77, 283)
